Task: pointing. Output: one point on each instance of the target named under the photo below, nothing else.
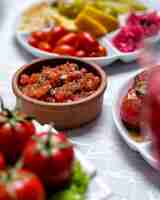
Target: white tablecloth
(128, 176)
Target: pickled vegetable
(105, 19)
(86, 23)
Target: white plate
(22, 40)
(102, 61)
(113, 53)
(97, 189)
(145, 147)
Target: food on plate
(132, 104)
(131, 109)
(149, 22)
(64, 13)
(128, 39)
(88, 24)
(118, 7)
(63, 83)
(70, 8)
(36, 17)
(63, 42)
(20, 184)
(138, 27)
(96, 21)
(15, 131)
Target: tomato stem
(49, 136)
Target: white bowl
(145, 147)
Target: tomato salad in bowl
(67, 91)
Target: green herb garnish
(78, 187)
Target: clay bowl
(64, 115)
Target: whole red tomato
(65, 50)
(2, 162)
(15, 131)
(32, 41)
(131, 109)
(87, 42)
(20, 185)
(69, 39)
(51, 157)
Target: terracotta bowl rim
(98, 92)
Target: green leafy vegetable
(78, 187)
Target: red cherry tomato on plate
(44, 46)
(131, 109)
(64, 50)
(81, 53)
(87, 42)
(57, 33)
(38, 35)
(101, 51)
(32, 41)
(69, 39)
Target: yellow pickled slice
(87, 23)
(108, 21)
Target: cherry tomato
(80, 53)
(131, 109)
(44, 46)
(15, 131)
(101, 51)
(58, 32)
(32, 41)
(87, 42)
(38, 35)
(64, 50)
(53, 162)
(2, 162)
(69, 39)
(20, 185)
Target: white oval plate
(97, 189)
(113, 53)
(102, 61)
(145, 147)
